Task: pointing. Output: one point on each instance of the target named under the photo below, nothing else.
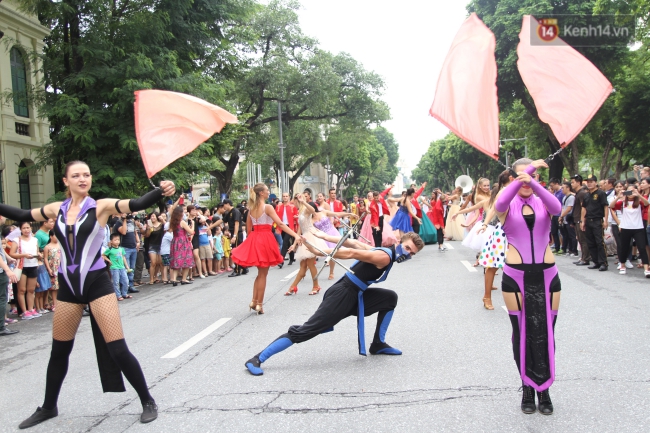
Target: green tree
(312, 84)
(98, 53)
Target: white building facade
(22, 131)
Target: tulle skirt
(428, 232)
(259, 249)
(402, 221)
(302, 253)
(495, 245)
(454, 230)
(473, 239)
(366, 232)
(388, 237)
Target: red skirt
(259, 249)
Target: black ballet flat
(185, 282)
(545, 405)
(528, 400)
(38, 417)
(149, 412)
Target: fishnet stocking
(66, 320)
(107, 315)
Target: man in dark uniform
(581, 193)
(234, 219)
(351, 296)
(594, 222)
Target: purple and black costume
(533, 341)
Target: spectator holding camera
(631, 205)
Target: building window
(23, 187)
(19, 83)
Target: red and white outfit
(335, 206)
(260, 247)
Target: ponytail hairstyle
(254, 195)
(504, 179)
(65, 173)
(409, 192)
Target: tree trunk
(605, 163)
(293, 179)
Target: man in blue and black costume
(351, 296)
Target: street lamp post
(282, 183)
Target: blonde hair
(479, 191)
(254, 195)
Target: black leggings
(441, 236)
(625, 244)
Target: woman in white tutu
(495, 244)
(481, 200)
(307, 215)
(454, 230)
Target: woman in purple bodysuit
(531, 286)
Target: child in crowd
(52, 258)
(165, 251)
(205, 248)
(225, 242)
(43, 284)
(119, 267)
(218, 249)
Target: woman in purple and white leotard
(531, 286)
(321, 220)
(80, 228)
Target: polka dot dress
(495, 245)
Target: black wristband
(146, 201)
(16, 214)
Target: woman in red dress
(260, 248)
(437, 216)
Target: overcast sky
(404, 42)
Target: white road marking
(291, 275)
(198, 337)
(504, 308)
(448, 246)
(468, 266)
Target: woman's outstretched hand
(168, 188)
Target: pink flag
(466, 96)
(566, 87)
(169, 125)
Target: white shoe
(628, 264)
(201, 276)
(647, 274)
(622, 271)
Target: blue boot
(254, 364)
(379, 346)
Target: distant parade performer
(531, 286)
(80, 229)
(260, 248)
(351, 296)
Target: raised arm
(378, 258)
(108, 206)
(508, 193)
(477, 206)
(349, 243)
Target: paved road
(456, 374)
